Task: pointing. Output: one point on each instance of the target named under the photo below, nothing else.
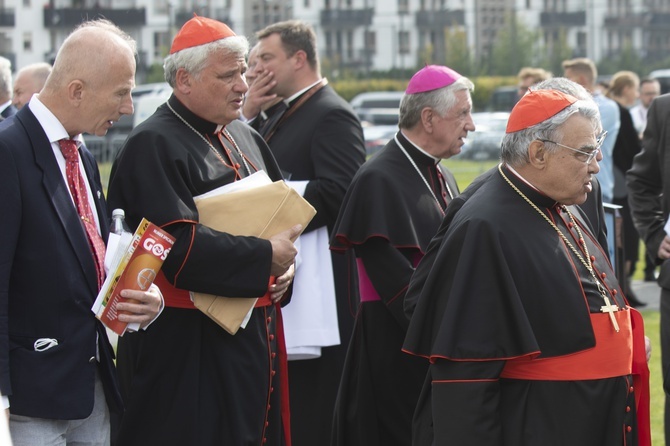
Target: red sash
(173, 297)
(615, 354)
(612, 356)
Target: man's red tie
(75, 182)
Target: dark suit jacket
(645, 182)
(321, 142)
(47, 282)
(9, 111)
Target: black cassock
(320, 140)
(498, 282)
(388, 217)
(186, 381)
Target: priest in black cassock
(392, 209)
(529, 338)
(317, 140)
(188, 381)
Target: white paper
(116, 248)
(259, 178)
(310, 319)
(298, 186)
(256, 179)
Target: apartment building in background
(358, 35)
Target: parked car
(376, 137)
(145, 96)
(663, 77)
(503, 99)
(147, 104)
(127, 122)
(377, 107)
(484, 142)
(377, 99)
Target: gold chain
(586, 262)
(211, 146)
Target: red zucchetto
(199, 31)
(537, 106)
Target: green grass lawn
(105, 170)
(651, 326)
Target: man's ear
(300, 59)
(183, 81)
(75, 92)
(537, 154)
(427, 115)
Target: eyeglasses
(589, 155)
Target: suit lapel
(56, 190)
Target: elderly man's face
(567, 178)
(109, 97)
(24, 88)
(450, 131)
(217, 92)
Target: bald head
(87, 53)
(92, 77)
(5, 80)
(29, 80)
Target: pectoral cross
(610, 308)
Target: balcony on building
(626, 21)
(70, 17)
(562, 19)
(221, 14)
(659, 22)
(440, 19)
(346, 18)
(6, 17)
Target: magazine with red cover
(136, 270)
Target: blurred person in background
(258, 100)
(624, 90)
(650, 89)
(584, 72)
(6, 107)
(29, 80)
(529, 76)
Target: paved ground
(647, 292)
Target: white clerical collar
(522, 178)
(290, 99)
(437, 160)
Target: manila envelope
(262, 211)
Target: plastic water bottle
(119, 225)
